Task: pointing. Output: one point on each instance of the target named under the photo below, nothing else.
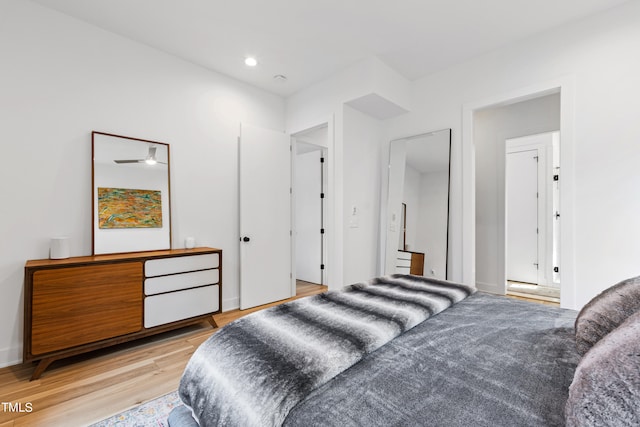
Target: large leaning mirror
(417, 226)
(130, 194)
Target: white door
(522, 216)
(265, 216)
(308, 185)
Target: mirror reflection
(418, 205)
(131, 199)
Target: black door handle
(245, 239)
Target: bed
(440, 354)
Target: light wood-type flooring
(88, 388)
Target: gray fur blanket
(255, 370)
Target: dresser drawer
(176, 282)
(403, 262)
(80, 305)
(174, 306)
(181, 264)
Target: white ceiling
(308, 41)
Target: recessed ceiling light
(250, 61)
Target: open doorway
(532, 216)
(514, 241)
(310, 180)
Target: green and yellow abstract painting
(129, 208)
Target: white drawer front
(403, 262)
(404, 255)
(403, 270)
(175, 282)
(180, 264)
(167, 308)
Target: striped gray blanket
(256, 369)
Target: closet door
(265, 216)
(522, 216)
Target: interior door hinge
(322, 195)
(321, 266)
(321, 159)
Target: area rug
(153, 413)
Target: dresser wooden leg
(44, 364)
(212, 321)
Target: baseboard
(491, 288)
(10, 357)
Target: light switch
(354, 221)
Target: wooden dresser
(80, 304)
(410, 263)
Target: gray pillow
(605, 312)
(606, 385)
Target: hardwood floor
(538, 300)
(88, 388)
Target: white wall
(492, 127)
(59, 80)
(363, 138)
(598, 55)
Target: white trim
(545, 201)
(335, 219)
(333, 232)
(565, 85)
(231, 304)
(293, 144)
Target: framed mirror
(130, 194)
(417, 229)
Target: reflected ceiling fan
(151, 158)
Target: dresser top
(119, 257)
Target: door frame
(331, 255)
(320, 174)
(564, 85)
(545, 201)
